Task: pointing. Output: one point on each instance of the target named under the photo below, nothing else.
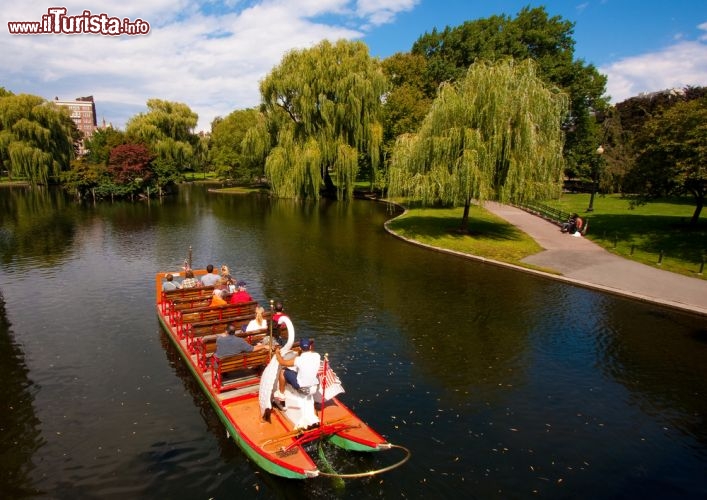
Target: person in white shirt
(300, 371)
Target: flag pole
(326, 367)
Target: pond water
(502, 384)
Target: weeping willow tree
(496, 134)
(36, 137)
(322, 108)
(168, 130)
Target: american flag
(329, 381)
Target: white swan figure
(269, 377)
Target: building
(83, 112)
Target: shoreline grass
(642, 234)
(490, 236)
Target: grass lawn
(491, 237)
(641, 234)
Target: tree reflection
(19, 427)
(35, 223)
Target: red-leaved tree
(130, 164)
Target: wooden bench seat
(184, 298)
(187, 317)
(186, 293)
(236, 362)
(204, 347)
(214, 327)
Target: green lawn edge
(656, 234)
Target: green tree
(410, 96)
(496, 134)
(532, 34)
(323, 112)
(100, 144)
(36, 137)
(84, 178)
(168, 131)
(672, 155)
(226, 147)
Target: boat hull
(276, 446)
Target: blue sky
(211, 54)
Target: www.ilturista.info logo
(55, 21)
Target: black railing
(545, 211)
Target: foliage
(130, 167)
(226, 147)
(410, 96)
(532, 34)
(672, 154)
(100, 144)
(493, 135)
(167, 130)
(36, 137)
(84, 177)
(322, 108)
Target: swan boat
(280, 442)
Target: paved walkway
(582, 262)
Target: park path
(582, 262)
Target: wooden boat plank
(272, 445)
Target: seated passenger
(259, 323)
(228, 344)
(190, 281)
(276, 315)
(210, 278)
(303, 373)
(217, 298)
(170, 284)
(241, 295)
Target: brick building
(83, 112)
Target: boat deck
(276, 445)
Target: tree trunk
(329, 190)
(699, 203)
(464, 228)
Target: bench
(184, 318)
(214, 327)
(184, 295)
(204, 347)
(236, 362)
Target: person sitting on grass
(571, 225)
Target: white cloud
(209, 54)
(679, 65)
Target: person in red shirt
(241, 295)
(278, 312)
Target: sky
(212, 54)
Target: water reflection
(35, 223)
(20, 438)
(502, 384)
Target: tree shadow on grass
(434, 227)
(653, 233)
